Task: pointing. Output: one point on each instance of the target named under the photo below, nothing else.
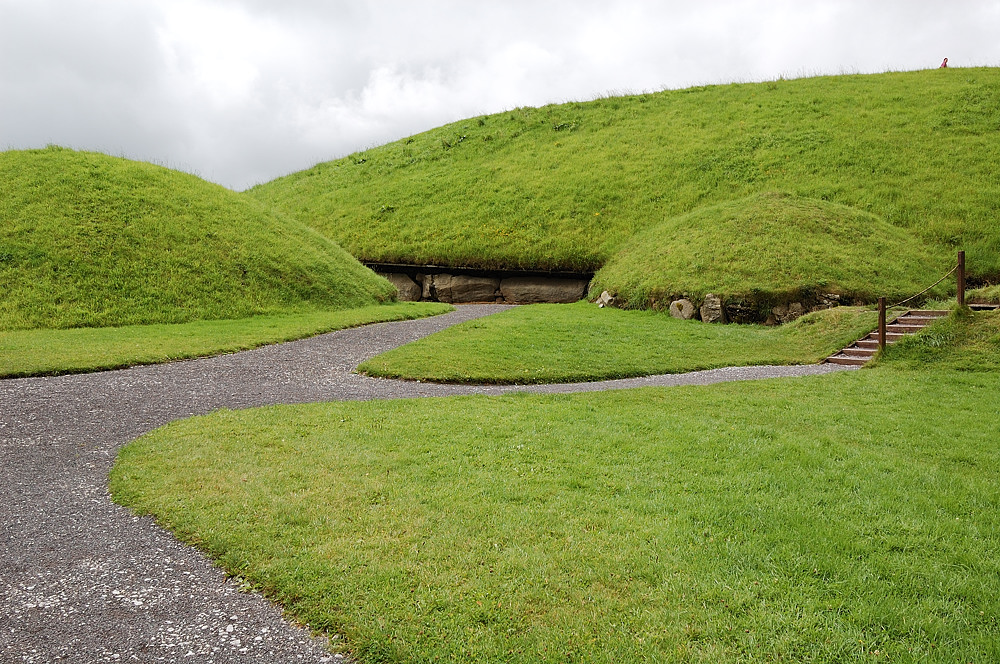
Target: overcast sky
(242, 91)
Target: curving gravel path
(83, 580)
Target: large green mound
(92, 240)
(567, 186)
(770, 249)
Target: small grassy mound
(92, 240)
(768, 249)
(567, 186)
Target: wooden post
(961, 278)
(881, 323)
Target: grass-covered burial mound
(769, 249)
(92, 240)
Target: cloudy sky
(242, 91)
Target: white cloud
(242, 91)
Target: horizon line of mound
(90, 240)
(565, 186)
(768, 258)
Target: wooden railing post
(961, 278)
(881, 323)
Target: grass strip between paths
(551, 343)
(52, 352)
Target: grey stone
(712, 310)
(464, 289)
(827, 301)
(426, 282)
(529, 290)
(682, 308)
(409, 290)
(786, 314)
(606, 300)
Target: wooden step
(846, 360)
(904, 328)
(860, 352)
(916, 320)
(980, 306)
(890, 337)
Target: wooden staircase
(861, 351)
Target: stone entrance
(466, 285)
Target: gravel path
(83, 580)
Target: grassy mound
(768, 249)
(92, 240)
(568, 186)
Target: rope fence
(959, 268)
(950, 272)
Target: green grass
(986, 294)
(52, 352)
(965, 341)
(88, 240)
(779, 249)
(548, 343)
(844, 518)
(569, 186)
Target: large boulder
(605, 300)
(530, 290)
(463, 289)
(682, 308)
(409, 290)
(712, 310)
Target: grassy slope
(965, 341)
(779, 249)
(47, 352)
(785, 520)
(987, 294)
(567, 186)
(550, 343)
(92, 240)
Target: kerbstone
(531, 290)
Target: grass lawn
(49, 352)
(548, 343)
(853, 517)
